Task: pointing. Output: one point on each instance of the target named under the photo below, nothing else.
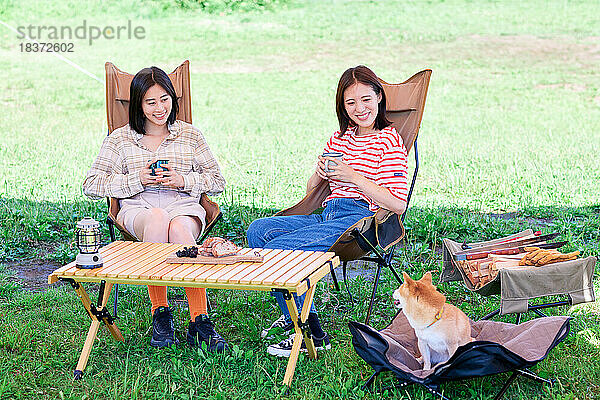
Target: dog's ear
(406, 277)
(427, 278)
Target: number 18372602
(47, 47)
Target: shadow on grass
(45, 230)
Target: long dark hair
(365, 76)
(142, 81)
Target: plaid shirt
(115, 173)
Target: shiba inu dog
(440, 327)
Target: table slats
(306, 262)
(296, 275)
(144, 263)
(285, 255)
(152, 253)
(134, 270)
(246, 268)
(107, 257)
(228, 269)
(280, 267)
(124, 258)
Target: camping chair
(117, 111)
(517, 286)
(498, 347)
(405, 103)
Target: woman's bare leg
(185, 229)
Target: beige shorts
(175, 203)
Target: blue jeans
(315, 232)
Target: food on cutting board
(211, 247)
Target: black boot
(203, 330)
(163, 331)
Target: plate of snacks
(214, 250)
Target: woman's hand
(169, 177)
(341, 172)
(321, 168)
(145, 174)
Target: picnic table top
(144, 263)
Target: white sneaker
(277, 327)
(284, 348)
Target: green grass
(510, 125)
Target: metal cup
(157, 164)
(328, 163)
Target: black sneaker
(284, 348)
(203, 330)
(278, 327)
(163, 331)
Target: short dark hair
(365, 76)
(142, 81)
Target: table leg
(310, 345)
(97, 314)
(114, 331)
(293, 359)
(299, 334)
(87, 348)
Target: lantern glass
(88, 236)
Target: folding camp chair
(405, 103)
(498, 347)
(117, 111)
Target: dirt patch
(503, 49)
(32, 275)
(567, 86)
(533, 222)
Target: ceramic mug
(328, 163)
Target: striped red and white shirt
(380, 157)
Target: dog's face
(410, 288)
(400, 295)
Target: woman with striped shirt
(371, 173)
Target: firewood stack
(480, 272)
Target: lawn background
(509, 140)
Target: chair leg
(116, 301)
(537, 378)
(344, 270)
(506, 385)
(435, 391)
(398, 278)
(379, 265)
(370, 381)
(490, 315)
(539, 313)
(335, 280)
(111, 229)
(208, 305)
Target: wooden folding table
(143, 263)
